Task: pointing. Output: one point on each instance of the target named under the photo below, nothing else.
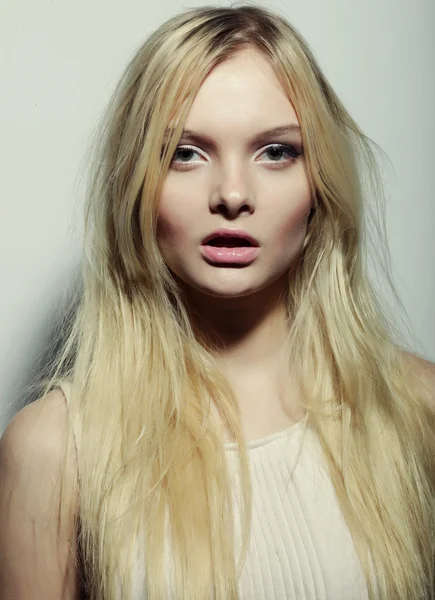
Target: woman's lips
(237, 255)
(231, 235)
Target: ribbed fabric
(301, 548)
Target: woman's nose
(232, 196)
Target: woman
(236, 398)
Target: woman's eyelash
(283, 148)
(291, 150)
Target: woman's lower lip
(238, 255)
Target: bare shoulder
(425, 372)
(38, 427)
(36, 436)
(38, 503)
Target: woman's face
(228, 173)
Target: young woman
(241, 420)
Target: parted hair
(145, 390)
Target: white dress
(301, 547)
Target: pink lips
(237, 256)
(236, 252)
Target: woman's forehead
(241, 95)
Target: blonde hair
(143, 386)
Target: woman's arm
(37, 549)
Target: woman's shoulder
(38, 499)
(39, 428)
(35, 448)
(424, 371)
(35, 443)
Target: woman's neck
(247, 337)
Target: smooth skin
(37, 562)
(228, 182)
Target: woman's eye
(183, 154)
(278, 153)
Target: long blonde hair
(143, 387)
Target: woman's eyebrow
(188, 135)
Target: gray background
(60, 61)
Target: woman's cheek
(175, 224)
(290, 226)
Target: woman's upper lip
(231, 233)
